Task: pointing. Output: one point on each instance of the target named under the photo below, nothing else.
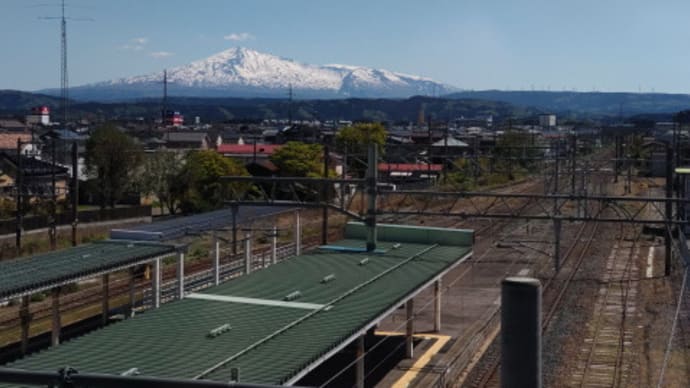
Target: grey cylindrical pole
(298, 234)
(180, 275)
(156, 283)
(216, 260)
(25, 319)
(105, 301)
(359, 370)
(247, 254)
(521, 333)
(56, 324)
(371, 179)
(132, 292)
(274, 246)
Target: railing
(8, 226)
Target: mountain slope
(594, 103)
(241, 72)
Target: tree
(161, 177)
(199, 185)
(111, 157)
(298, 159)
(354, 139)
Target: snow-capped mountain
(242, 72)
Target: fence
(8, 226)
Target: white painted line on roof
(523, 272)
(650, 262)
(257, 301)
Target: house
(190, 140)
(37, 176)
(248, 152)
(8, 142)
(409, 174)
(12, 125)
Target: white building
(547, 120)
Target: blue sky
(605, 45)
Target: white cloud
(135, 44)
(239, 36)
(161, 54)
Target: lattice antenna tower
(64, 77)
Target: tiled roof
(248, 149)
(52, 269)
(409, 167)
(270, 342)
(31, 166)
(185, 137)
(8, 141)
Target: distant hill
(221, 109)
(591, 103)
(15, 101)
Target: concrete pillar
(234, 230)
(274, 246)
(56, 325)
(247, 254)
(25, 321)
(298, 234)
(409, 332)
(156, 283)
(521, 333)
(216, 260)
(180, 275)
(360, 362)
(371, 192)
(437, 305)
(105, 301)
(132, 290)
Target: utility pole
(164, 111)
(290, 105)
(372, 180)
(668, 216)
(325, 187)
(75, 193)
(20, 189)
(573, 163)
(558, 153)
(53, 205)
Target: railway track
(604, 357)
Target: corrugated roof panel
(54, 268)
(198, 223)
(270, 344)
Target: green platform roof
(343, 294)
(37, 273)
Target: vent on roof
(328, 278)
(234, 375)
(396, 245)
(130, 245)
(85, 255)
(292, 296)
(364, 261)
(219, 330)
(131, 372)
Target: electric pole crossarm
(469, 194)
(544, 217)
